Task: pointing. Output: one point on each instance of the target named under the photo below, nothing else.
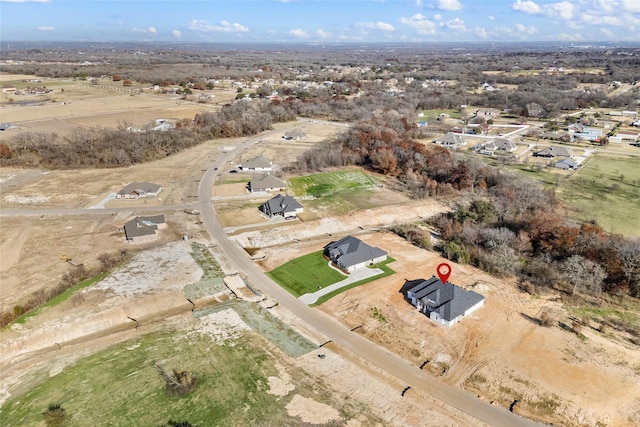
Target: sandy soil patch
(311, 411)
(496, 343)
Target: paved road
(336, 332)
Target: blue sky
(320, 21)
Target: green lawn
(431, 116)
(339, 192)
(305, 274)
(606, 190)
(121, 386)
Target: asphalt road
(336, 332)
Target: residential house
(498, 144)
(7, 126)
(487, 113)
(554, 151)
(266, 182)
(162, 125)
(285, 206)
(578, 130)
(444, 303)
(135, 190)
(629, 136)
(144, 228)
(452, 141)
(350, 253)
(259, 163)
(567, 164)
(295, 134)
(9, 89)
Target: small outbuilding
(294, 134)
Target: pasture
(606, 190)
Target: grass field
(121, 386)
(305, 274)
(606, 190)
(431, 116)
(339, 192)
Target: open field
(606, 190)
(242, 378)
(336, 192)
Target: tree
(54, 416)
(583, 276)
(127, 82)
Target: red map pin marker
(444, 271)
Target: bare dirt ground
(61, 335)
(496, 353)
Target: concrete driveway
(355, 276)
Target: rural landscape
(200, 235)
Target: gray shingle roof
(446, 299)
(280, 204)
(142, 226)
(259, 162)
(140, 187)
(264, 182)
(350, 251)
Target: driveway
(355, 276)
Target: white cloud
(607, 33)
(420, 23)
(614, 21)
(562, 9)
(150, 30)
(456, 24)
(632, 6)
(300, 33)
(449, 5)
(224, 27)
(523, 29)
(176, 33)
(382, 26)
(46, 28)
(491, 18)
(437, 17)
(526, 6)
(607, 5)
(481, 33)
(323, 34)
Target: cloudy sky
(320, 21)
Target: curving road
(336, 332)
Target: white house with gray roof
(451, 140)
(350, 253)
(144, 228)
(285, 206)
(259, 163)
(135, 190)
(444, 303)
(266, 182)
(555, 151)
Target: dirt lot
(496, 353)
